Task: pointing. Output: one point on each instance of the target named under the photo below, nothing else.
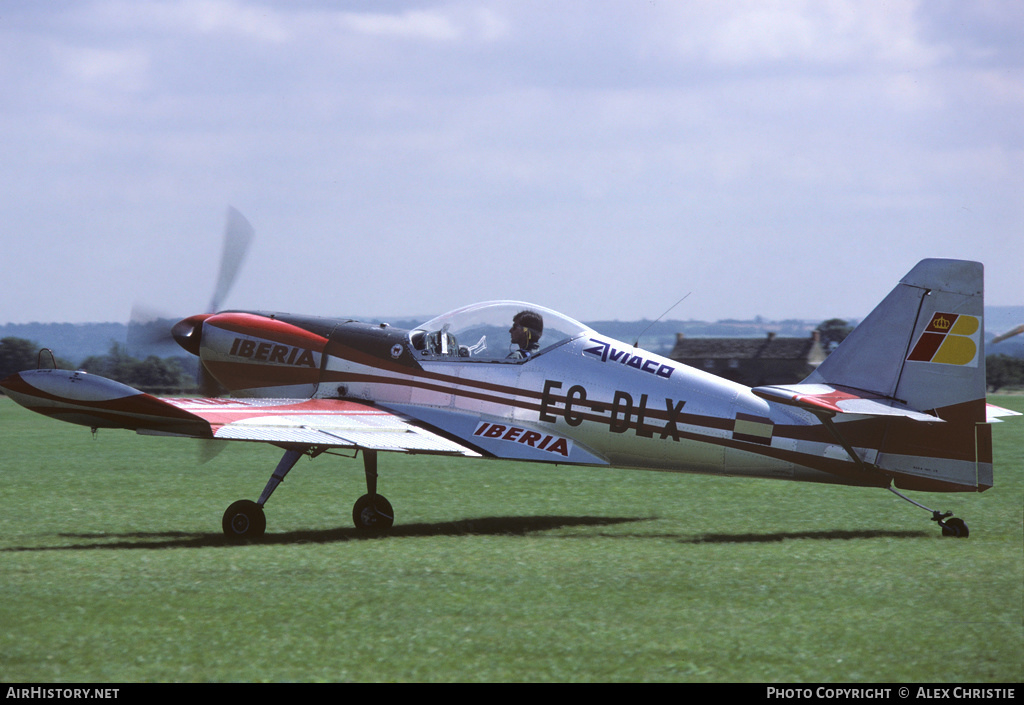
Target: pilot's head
(527, 327)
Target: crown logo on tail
(949, 339)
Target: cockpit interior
(482, 333)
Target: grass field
(113, 569)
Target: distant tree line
(153, 374)
(17, 354)
(832, 332)
(1004, 372)
(165, 375)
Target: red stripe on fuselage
(270, 329)
(860, 433)
(261, 352)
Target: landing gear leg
(951, 526)
(245, 519)
(372, 510)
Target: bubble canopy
(481, 332)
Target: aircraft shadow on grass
(834, 535)
(482, 526)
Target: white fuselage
(594, 400)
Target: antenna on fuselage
(636, 343)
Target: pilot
(527, 327)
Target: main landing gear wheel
(244, 520)
(373, 512)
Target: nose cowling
(188, 332)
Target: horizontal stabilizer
(993, 413)
(829, 399)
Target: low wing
(94, 401)
(319, 422)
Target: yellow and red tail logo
(949, 339)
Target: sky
(601, 158)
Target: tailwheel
(954, 527)
(244, 519)
(373, 511)
(951, 525)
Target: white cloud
(759, 33)
(433, 26)
(260, 22)
(417, 135)
(105, 69)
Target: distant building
(752, 361)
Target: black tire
(244, 520)
(956, 528)
(373, 513)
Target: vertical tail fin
(924, 347)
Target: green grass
(113, 569)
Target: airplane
(899, 405)
(1007, 335)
